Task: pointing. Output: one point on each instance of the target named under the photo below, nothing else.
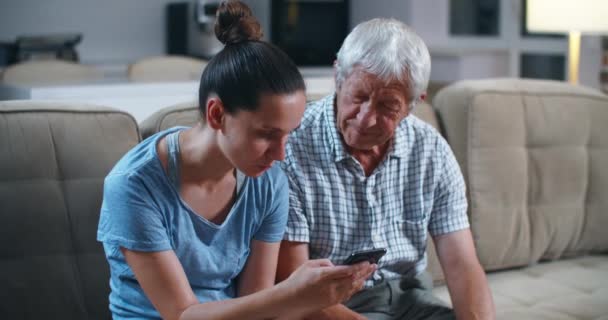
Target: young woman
(192, 217)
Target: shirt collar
(402, 139)
(335, 138)
(399, 143)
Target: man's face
(369, 109)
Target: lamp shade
(586, 16)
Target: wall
(113, 30)
(121, 31)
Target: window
(542, 66)
(310, 32)
(474, 17)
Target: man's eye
(359, 100)
(392, 108)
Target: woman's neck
(202, 161)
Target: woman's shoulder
(141, 161)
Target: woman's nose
(277, 150)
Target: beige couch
(53, 159)
(534, 155)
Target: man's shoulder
(309, 135)
(312, 120)
(424, 133)
(422, 128)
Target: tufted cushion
(568, 289)
(53, 158)
(534, 156)
(182, 114)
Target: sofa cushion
(181, 114)
(53, 159)
(534, 157)
(567, 289)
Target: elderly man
(363, 174)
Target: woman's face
(253, 140)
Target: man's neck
(369, 159)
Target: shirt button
(377, 238)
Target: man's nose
(367, 115)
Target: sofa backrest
(187, 114)
(534, 156)
(181, 114)
(53, 159)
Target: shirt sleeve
(129, 217)
(272, 227)
(449, 212)
(297, 224)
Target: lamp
(568, 16)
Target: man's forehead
(379, 79)
(365, 80)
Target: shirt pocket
(409, 241)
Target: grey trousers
(407, 298)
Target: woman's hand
(318, 284)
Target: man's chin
(363, 144)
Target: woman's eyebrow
(273, 129)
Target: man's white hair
(388, 49)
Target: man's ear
(215, 113)
(335, 73)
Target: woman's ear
(215, 113)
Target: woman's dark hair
(246, 67)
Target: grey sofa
(53, 158)
(534, 155)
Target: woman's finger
(337, 272)
(319, 263)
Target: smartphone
(372, 255)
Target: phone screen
(372, 255)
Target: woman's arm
(313, 286)
(261, 268)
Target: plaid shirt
(337, 210)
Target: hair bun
(235, 23)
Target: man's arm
(466, 280)
(291, 256)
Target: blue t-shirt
(142, 211)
